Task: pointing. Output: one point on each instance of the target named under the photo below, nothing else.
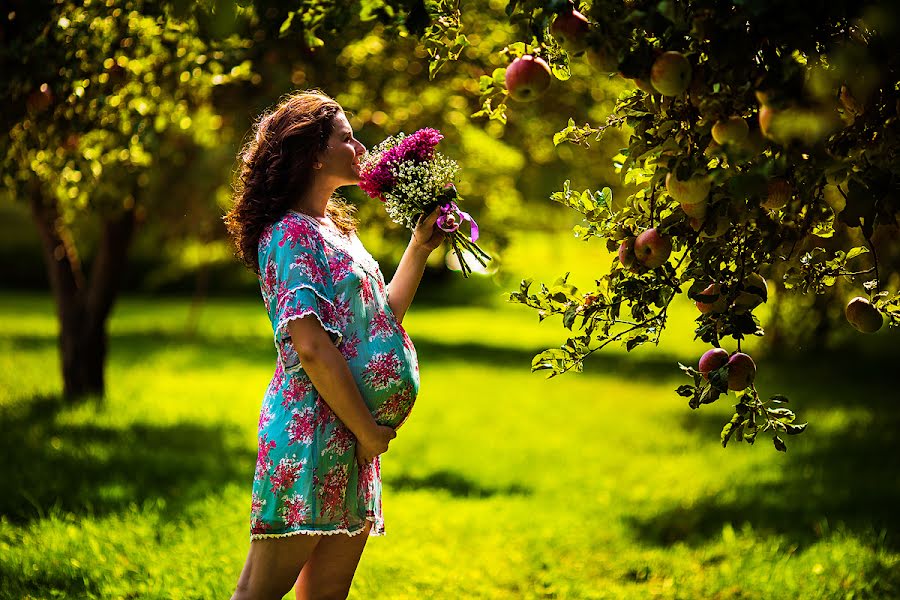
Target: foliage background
(601, 485)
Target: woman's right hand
(374, 445)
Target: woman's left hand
(426, 235)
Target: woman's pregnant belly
(386, 370)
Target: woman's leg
(329, 571)
(272, 566)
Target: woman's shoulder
(291, 231)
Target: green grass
(501, 485)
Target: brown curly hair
(276, 164)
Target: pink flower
(302, 426)
(297, 231)
(382, 370)
(349, 347)
(298, 388)
(339, 442)
(286, 474)
(381, 326)
(333, 489)
(263, 462)
(294, 510)
(417, 147)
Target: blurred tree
(100, 97)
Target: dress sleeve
(296, 264)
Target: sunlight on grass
(503, 484)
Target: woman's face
(340, 160)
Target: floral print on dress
(382, 370)
(307, 479)
(302, 426)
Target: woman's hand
(426, 236)
(376, 444)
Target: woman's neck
(315, 201)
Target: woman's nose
(360, 149)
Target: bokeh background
(502, 484)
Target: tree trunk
(83, 305)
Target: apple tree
(763, 147)
(99, 97)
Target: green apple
(691, 191)
(670, 74)
(730, 131)
(778, 193)
(863, 316)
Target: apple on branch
(670, 74)
(527, 78)
(652, 248)
(731, 131)
(694, 190)
(863, 316)
(570, 29)
(712, 360)
(778, 193)
(718, 305)
(741, 371)
(626, 253)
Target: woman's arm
(327, 369)
(405, 282)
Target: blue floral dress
(307, 480)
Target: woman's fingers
(431, 219)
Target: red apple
(692, 191)
(716, 306)
(732, 130)
(527, 78)
(570, 29)
(779, 193)
(712, 360)
(863, 316)
(626, 252)
(741, 371)
(671, 73)
(652, 249)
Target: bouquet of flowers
(411, 179)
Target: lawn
(502, 484)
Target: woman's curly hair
(276, 165)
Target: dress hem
(372, 532)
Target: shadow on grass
(135, 347)
(43, 583)
(84, 468)
(454, 483)
(843, 478)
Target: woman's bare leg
(329, 571)
(272, 566)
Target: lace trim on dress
(372, 532)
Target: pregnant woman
(346, 374)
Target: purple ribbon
(452, 217)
